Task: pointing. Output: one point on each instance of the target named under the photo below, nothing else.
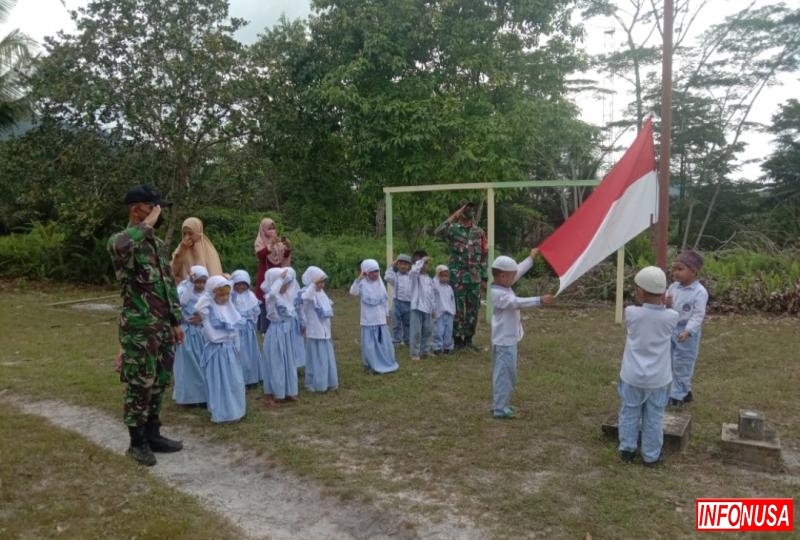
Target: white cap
(505, 264)
(442, 268)
(651, 279)
(198, 271)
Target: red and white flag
(624, 204)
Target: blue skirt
(321, 373)
(226, 401)
(278, 368)
(190, 380)
(298, 345)
(377, 349)
(250, 353)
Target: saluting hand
(152, 217)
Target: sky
(40, 18)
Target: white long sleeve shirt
(506, 319)
(690, 303)
(317, 312)
(401, 284)
(647, 360)
(374, 301)
(422, 298)
(445, 298)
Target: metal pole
(666, 130)
(620, 284)
(490, 238)
(389, 240)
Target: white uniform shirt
(401, 284)
(647, 360)
(421, 289)
(445, 298)
(690, 303)
(221, 322)
(506, 319)
(374, 305)
(317, 312)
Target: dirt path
(263, 502)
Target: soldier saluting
(149, 323)
(468, 249)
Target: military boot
(139, 450)
(156, 441)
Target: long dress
(250, 355)
(190, 380)
(321, 372)
(278, 368)
(377, 349)
(224, 379)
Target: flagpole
(666, 130)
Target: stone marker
(752, 443)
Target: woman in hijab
(195, 249)
(272, 251)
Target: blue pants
(443, 332)
(504, 376)
(421, 333)
(646, 405)
(401, 321)
(684, 358)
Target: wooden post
(389, 242)
(490, 238)
(666, 133)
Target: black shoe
(675, 403)
(657, 463)
(627, 456)
(139, 449)
(157, 442)
(458, 344)
(468, 344)
(688, 397)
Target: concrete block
(751, 425)
(677, 430)
(762, 455)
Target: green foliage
(37, 254)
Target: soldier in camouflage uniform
(149, 323)
(468, 253)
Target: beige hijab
(277, 247)
(201, 253)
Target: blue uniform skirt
(250, 354)
(299, 345)
(321, 373)
(278, 367)
(377, 349)
(226, 400)
(190, 380)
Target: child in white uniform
(398, 277)
(377, 349)
(645, 375)
(321, 373)
(221, 323)
(246, 304)
(422, 307)
(507, 329)
(444, 311)
(190, 380)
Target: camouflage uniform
(468, 254)
(150, 309)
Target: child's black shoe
(688, 397)
(627, 456)
(675, 402)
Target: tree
(442, 92)
(782, 169)
(15, 57)
(163, 73)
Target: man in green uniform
(468, 253)
(149, 323)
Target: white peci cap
(505, 264)
(651, 279)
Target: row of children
(422, 307)
(220, 355)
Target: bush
(36, 254)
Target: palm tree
(14, 56)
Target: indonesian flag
(624, 204)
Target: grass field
(422, 439)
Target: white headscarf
(370, 265)
(312, 274)
(375, 290)
(442, 268)
(322, 304)
(225, 312)
(247, 300)
(198, 271)
(240, 276)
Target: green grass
(50, 489)
(422, 439)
